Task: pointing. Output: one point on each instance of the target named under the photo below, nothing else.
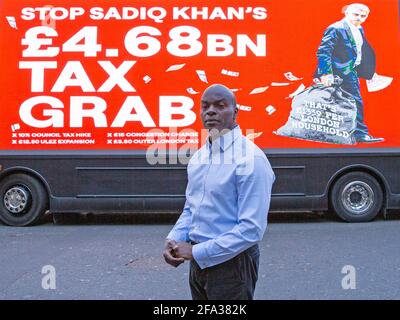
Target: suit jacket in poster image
(337, 53)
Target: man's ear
(235, 113)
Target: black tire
(23, 200)
(356, 197)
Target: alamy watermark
(349, 280)
(175, 147)
(49, 279)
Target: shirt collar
(226, 140)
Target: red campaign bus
(99, 102)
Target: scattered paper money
(378, 82)
(252, 136)
(12, 22)
(244, 108)
(279, 84)
(298, 90)
(202, 75)
(15, 127)
(146, 79)
(230, 73)
(175, 67)
(291, 77)
(270, 109)
(192, 91)
(258, 90)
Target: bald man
(345, 52)
(227, 202)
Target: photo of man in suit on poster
(344, 52)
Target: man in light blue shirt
(227, 202)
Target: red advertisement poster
(130, 74)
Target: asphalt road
(103, 257)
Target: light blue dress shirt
(227, 199)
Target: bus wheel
(23, 200)
(356, 197)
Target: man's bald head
(221, 90)
(218, 108)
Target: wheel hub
(16, 199)
(357, 197)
